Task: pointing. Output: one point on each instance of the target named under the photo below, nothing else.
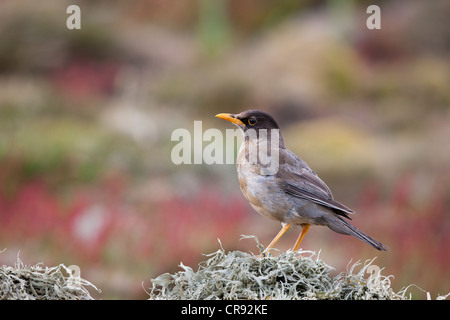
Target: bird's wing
(296, 178)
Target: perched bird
(290, 192)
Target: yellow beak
(230, 117)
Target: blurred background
(86, 118)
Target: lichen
(38, 282)
(290, 275)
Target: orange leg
(305, 228)
(279, 235)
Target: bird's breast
(263, 192)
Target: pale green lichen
(290, 275)
(37, 282)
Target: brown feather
(298, 180)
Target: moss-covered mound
(21, 282)
(290, 275)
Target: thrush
(287, 189)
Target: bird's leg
(305, 228)
(279, 235)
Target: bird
(291, 192)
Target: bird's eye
(252, 121)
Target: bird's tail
(341, 226)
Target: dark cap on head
(253, 119)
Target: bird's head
(254, 120)
(250, 119)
